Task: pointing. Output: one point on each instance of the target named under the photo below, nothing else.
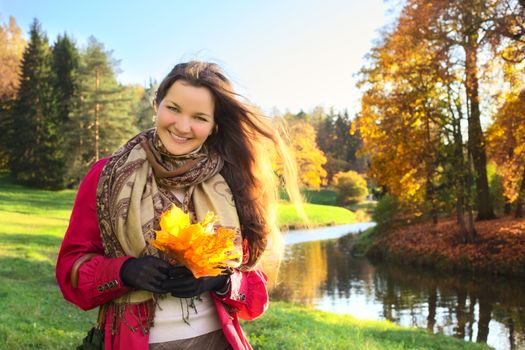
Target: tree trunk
(471, 313)
(461, 218)
(471, 230)
(460, 179)
(507, 209)
(461, 315)
(485, 314)
(432, 306)
(475, 134)
(512, 331)
(430, 190)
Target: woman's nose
(182, 123)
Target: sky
(288, 55)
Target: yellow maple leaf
(202, 249)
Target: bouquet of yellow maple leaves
(204, 250)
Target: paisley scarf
(137, 185)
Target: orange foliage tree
(12, 46)
(310, 159)
(506, 141)
(402, 115)
(422, 91)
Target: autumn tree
(467, 30)
(509, 26)
(505, 135)
(12, 46)
(310, 159)
(506, 140)
(402, 116)
(462, 30)
(453, 40)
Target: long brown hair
(242, 138)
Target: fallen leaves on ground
(499, 246)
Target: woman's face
(185, 117)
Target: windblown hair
(242, 139)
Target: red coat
(99, 278)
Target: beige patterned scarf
(137, 185)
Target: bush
(350, 187)
(495, 188)
(387, 212)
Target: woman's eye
(203, 119)
(172, 108)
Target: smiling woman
(207, 152)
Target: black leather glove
(183, 284)
(146, 273)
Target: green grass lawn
(319, 215)
(35, 315)
(322, 209)
(323, 196)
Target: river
(323, 274)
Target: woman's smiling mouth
(178, 139)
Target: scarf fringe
(143, 314)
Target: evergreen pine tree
(35, 160)
(65, 65)
(338, 144)
(102, 122)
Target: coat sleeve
(248, 294)
(82, 250)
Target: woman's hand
(181, 283)
(146, 273)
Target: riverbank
(499, 247)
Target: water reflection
(323, 274)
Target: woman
(206, 153)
